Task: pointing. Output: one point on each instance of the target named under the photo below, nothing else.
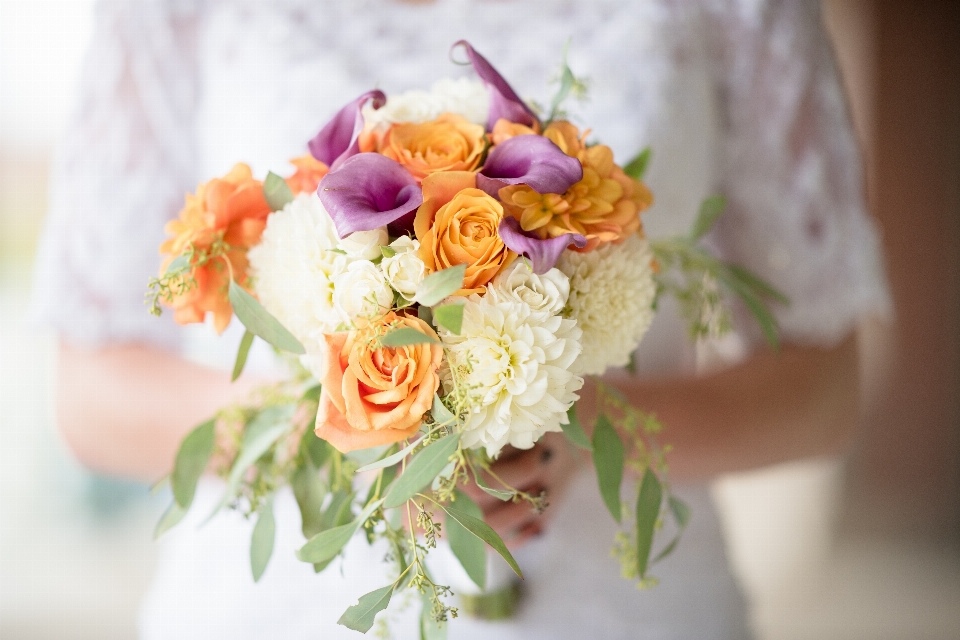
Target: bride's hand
(546, 468)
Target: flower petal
(543, 254)
(504, 101)
(337, 141)
(531, 160)
(369, 191)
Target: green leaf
(327, 544)
(637, 168)
(258, 321)
(339, 511)
(387, 252)
(421, 471)
(242, 354)
(192, 459)
(440, 413)
(449, 316)
(440, 284)
(404, 336)
(681, 513)
(425, 314)
(261, 543)
(648, 510)
(761, 287)
(430, 629)
(316, 449)
(608, 461)
(170, 518)
(360, 616)
(574, 430)
(567, 80)
(391, 460)
(500, 494)
(277, 192)
(180, 263)
(468, 548)
(312, 394)
(757, 308)
(710, 210)
(483, 531)
(308, 489)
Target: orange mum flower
(604, 206)
(308, 174)
(219, 224)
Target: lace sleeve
(121, 173)
(792, 173)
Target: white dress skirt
(738, 97)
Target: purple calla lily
(504, 101)
(531, 160)
(369, 191)
(543, 254)
(338, 140)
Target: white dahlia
(464, 96)
(611, 298)
(516, 365)
(293, 269)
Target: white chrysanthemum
(404, 270)
(545, 293)
(517, 365)
(365, 245)
(464, 96)
(294, 267)
(611, 298)
(361, 291)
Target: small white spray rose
(545, 294)
(361, 292)
(365, 245)
(404, 270)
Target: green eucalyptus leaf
(680, 510)
(316, 449)
(567, 80)
(258, 321)
(608, 461)
(360, 616)
(710, 210)
(430, 629)
(242, 354)
(468, 548)
(192, 459)
(483, 531)
(440, 284)
(388, 252)
(180, 263)
(757, 308)
(500, 494)
(637, 167)
(425, 314)
(389, 473)
(449, 316)
(391, 460)
(574, 430)
(440, 413)
(404, 336)
(261, 542)
(327, 544)
(277, 192)
(421, 471)
(312, 394)
(760, 286)
(170, 518)
(648, 511)
(309, 491)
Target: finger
(509, 518)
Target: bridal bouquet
(444, 269)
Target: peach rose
(308, 174)
(226, 216)
(458, 224)
(374, 396)
(604, 206)
(503, 130)
(449, 143)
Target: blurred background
(867, 547)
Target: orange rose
(308, 174)
(223, 219)
(372, 396)
(458, 224)
(449, 143)
(503, 130)
(604, 206)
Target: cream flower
(361, 292)
(404, 270)
(465, 97)
(545, 294)
(611, 298)
(293, 268)
(517, 363)
(365, 245)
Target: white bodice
(739, 97)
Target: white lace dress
(739, 97)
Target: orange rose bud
(449, 143)
(458, 224)
(372, 396)
(308, 174)
(228, 212)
